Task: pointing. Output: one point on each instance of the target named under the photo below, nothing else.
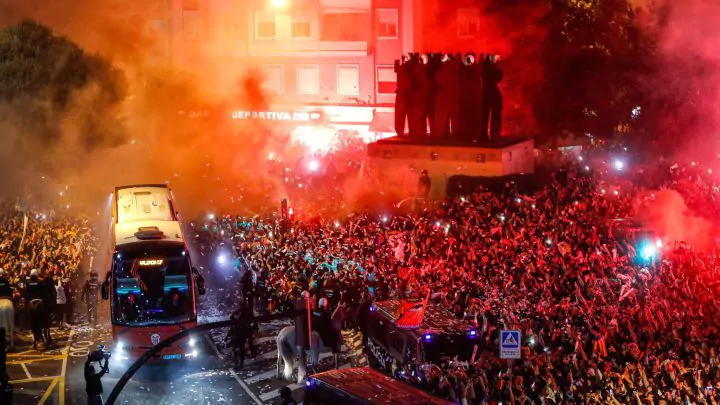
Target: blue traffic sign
(510, 343)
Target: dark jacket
(241, 328)
(6, 291)
(35, 290)
(90, 290)
(93, 385)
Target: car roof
(437, 320)
(374, 387)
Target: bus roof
(373, 387)
(133, 232)
(437, 320)
(144, 203)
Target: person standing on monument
(447, 98)
(402, 94)
(418, 115)
(492, 100)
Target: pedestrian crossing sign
(510, 344)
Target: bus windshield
(152, 285)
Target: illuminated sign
(303, 116)
(155, 262)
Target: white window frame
(464, 21)
(337, 78)
(317, 78)
(259, 17)
(377, 78)
(282, 74)
(397, 22)
(294, 20)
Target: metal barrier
(174, 338)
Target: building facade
(308, 51)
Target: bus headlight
(191, 342)
(119, 347)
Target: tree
(594, 57)
(48, 85)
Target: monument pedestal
(394, 159)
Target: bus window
(152, 284)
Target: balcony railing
(308, 47)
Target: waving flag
(411, 314)
(25, 226)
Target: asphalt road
(55, 375)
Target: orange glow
(316, 139)
(279, 3)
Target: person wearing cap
(248, 288)
(90, 297)
(93, 382)
(39, 317)
(34, 290)
(323, 323)
(241, 332)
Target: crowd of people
(600, 322)
(45, 247)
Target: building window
(308, 79)
(192, 25)
(345, 27)
(387, 22)
(264, 25)
(301, 29)
(273, 78)
(468, 22)
(348, 80)
(386, 80)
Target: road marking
(265, 356)
(244, 386)
(61, 387)
(48, 392)
(36, 379)
(27, 372)
(81, 344)
(214, 347)
(22, 354)
(37, 360)
(269, 396)
(259, 377)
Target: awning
(383, 122)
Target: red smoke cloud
(686, 77)
(513, 31)
(670, 217)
